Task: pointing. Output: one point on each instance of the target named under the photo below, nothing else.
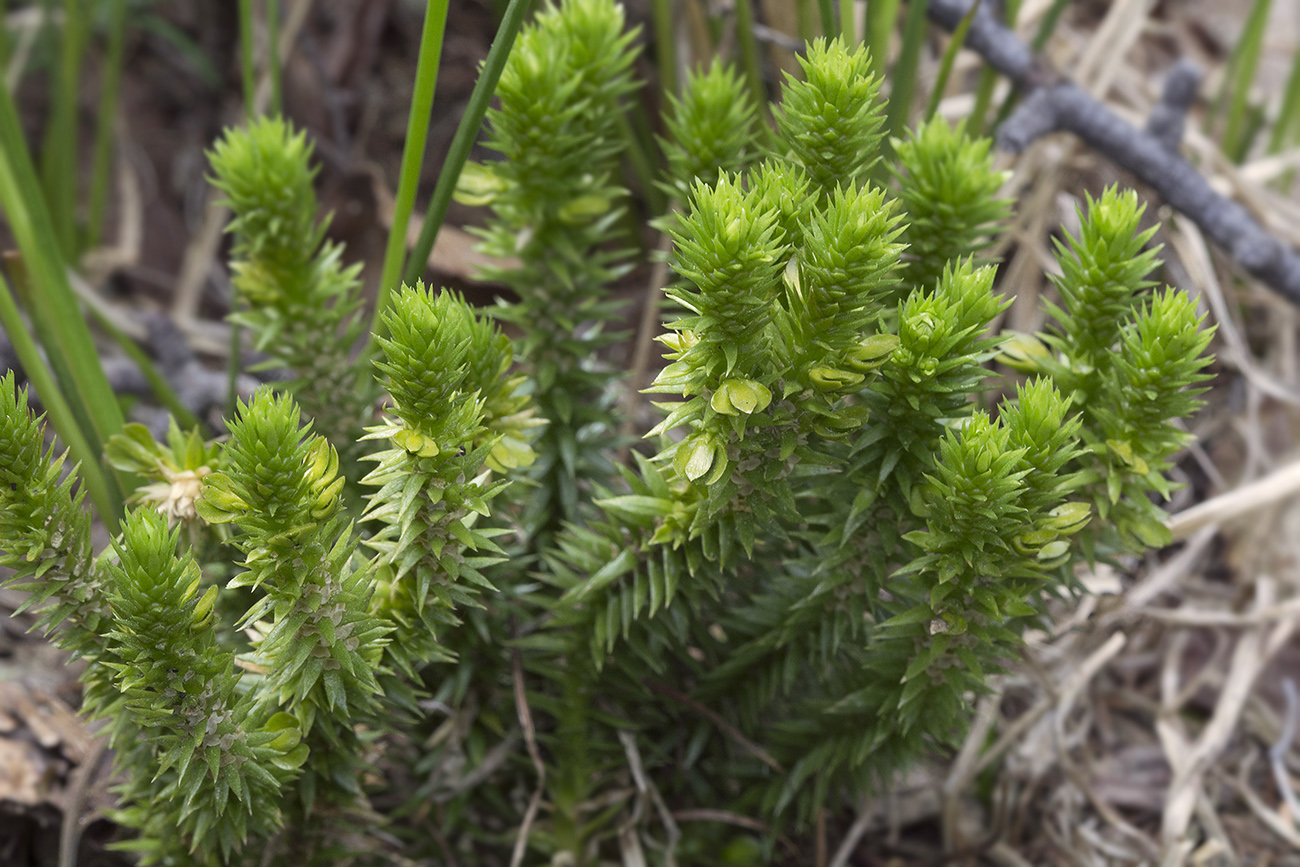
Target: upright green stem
(1236, 85)
(417, 132)
(1284, 127)
(988, 79)
(461, 143)
(1045, 30)
(1048, 25)
(103, 153)
(1289, 113)
(4, 36)
(642, 165)
(157, 382)
(248, 69)
(804, 19)
(234, 361)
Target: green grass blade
(804, 17)
(53, 308)
(904, 75)
(665, 46)
(949, 56)
(273, 56)
(463, 141)
(636, 136)
(983, 99)
(4, 36)
(248, 76)
(1288, 116)
(246, 60)
(417, 132)
(1046, 28)
(1251, 126)
(848, 28)
(882, 18)
(1234, 96)
(103, 492)
(830, 27)
(749, 50)
(59, 150)
(103, 147)
(234, 363)
(157, 382)
(989, 79)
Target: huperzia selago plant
(301, 302)
(796, 588)
(556, 210)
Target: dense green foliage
(821, 552)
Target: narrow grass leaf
(111, 78)
(882, 18)
(830, 27)
(53, 306)
(1288, 116)
(417, 133)
(273, 56)
(59, 149)
(1234, 97)
(848, 24)
(748, 45)
(904, 75)
(950, 55)
(462, 142)
(661, 14)
(988, 79)
(1046, 28)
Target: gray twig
(1168, 118)
(1054, 104)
